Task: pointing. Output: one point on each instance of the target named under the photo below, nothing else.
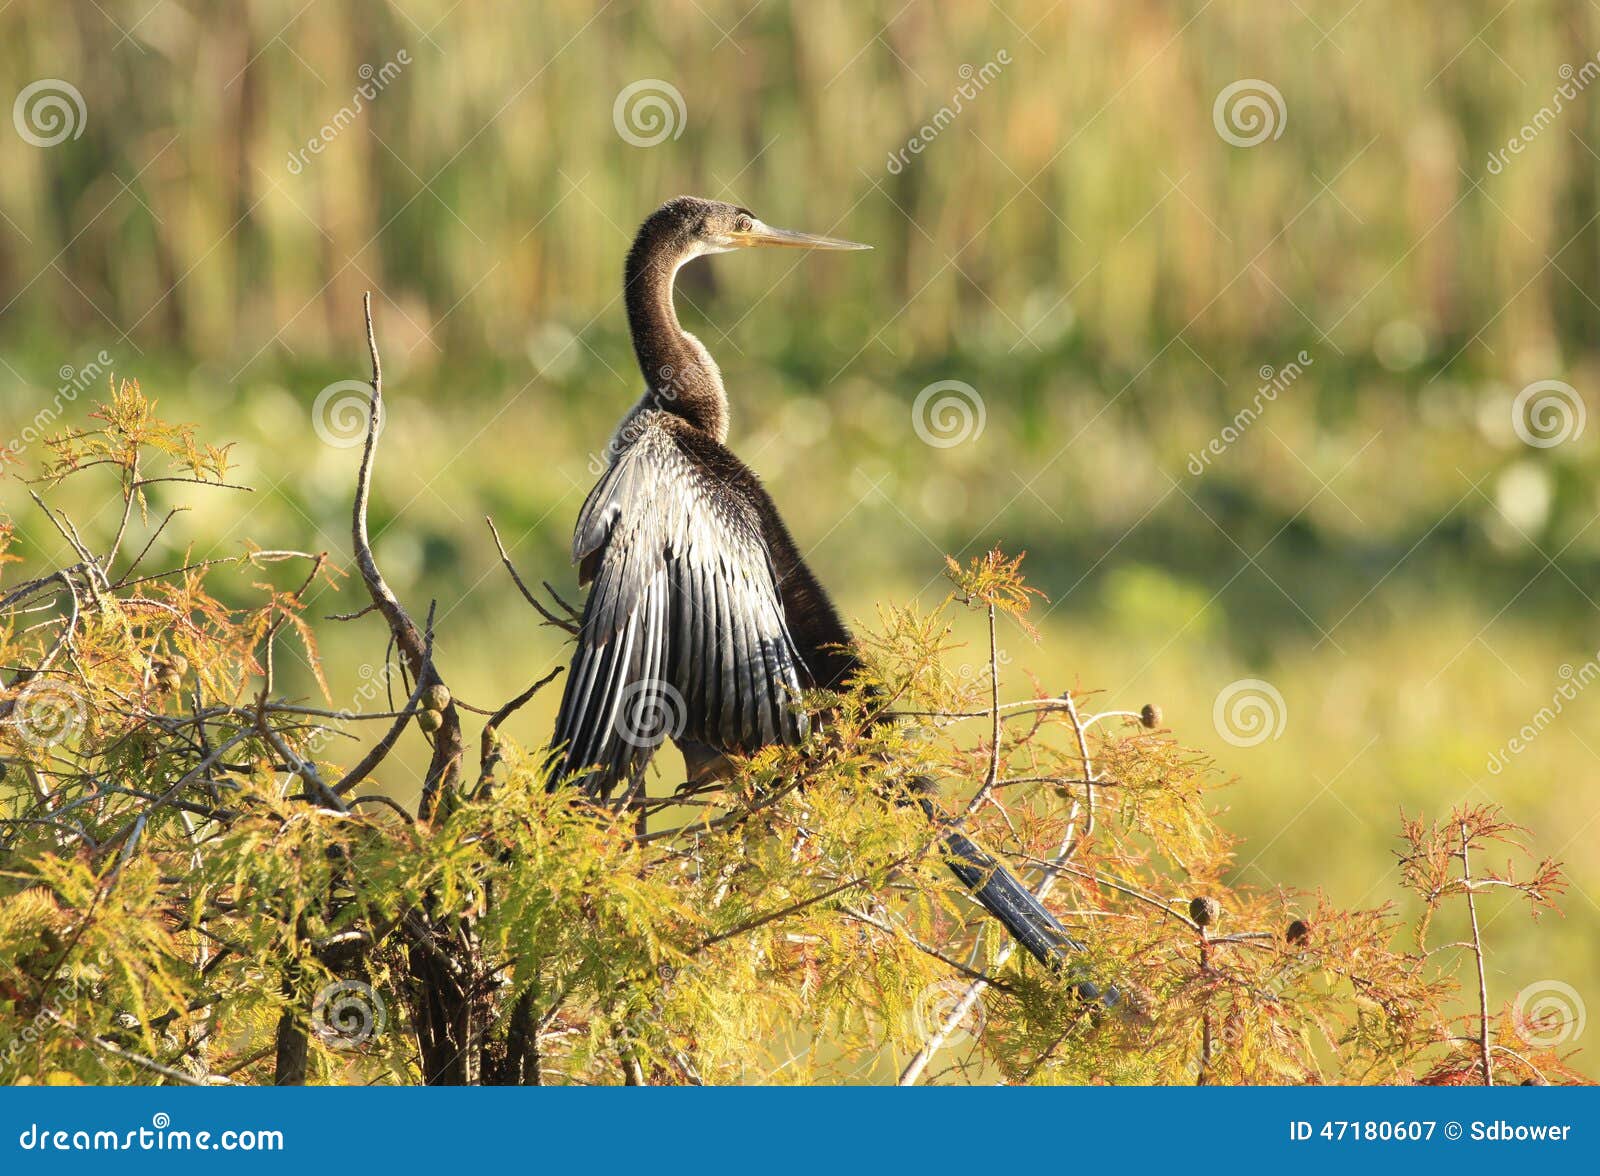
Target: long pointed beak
(763, 234)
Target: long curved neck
(679, 372)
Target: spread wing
(684, 632)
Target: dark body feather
(823, 639)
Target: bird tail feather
(1017, 909)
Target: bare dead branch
(380, 750)
(489, 747)
(550, 618)
(444, 769)
(1485, 1058)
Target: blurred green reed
(485, 190)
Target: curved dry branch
(380, 750)
(444, 770)
(550, 618)
(489, 749)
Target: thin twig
(149, 543)
(489, 747)
(549, 617)
(444, 769)
(126, 1055)
(1477, 950)
(919, 1063)
(925, 948)
(1088, 776)
(380, 750)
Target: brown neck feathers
(679, 371)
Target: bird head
(691, 227)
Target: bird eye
(744, 224)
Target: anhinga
(701, 610)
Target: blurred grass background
(1079, 244)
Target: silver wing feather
(684, 632)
